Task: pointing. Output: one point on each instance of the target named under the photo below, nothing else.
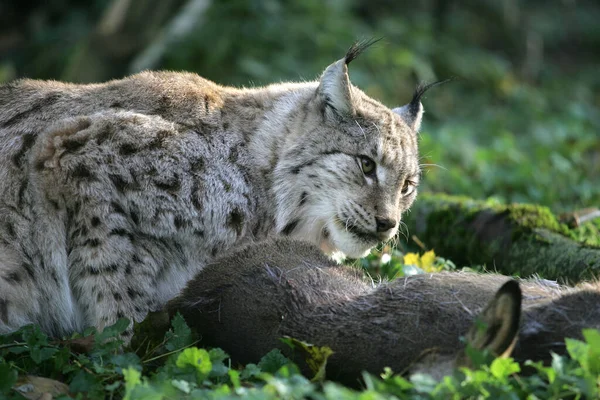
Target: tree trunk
(516, 239)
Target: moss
(520, 239)
(588, 233)
(526, 217)
(532, 216)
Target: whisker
(403, 225)
(361, 129)
(433, 165)
(376, 127)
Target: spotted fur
(116, 194)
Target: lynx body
(116, 194)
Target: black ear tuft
(413, 106)
(359, 47)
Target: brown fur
(246, 302)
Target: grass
(91, 365)
(176, 369)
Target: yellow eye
(408, 187)
(367, 165)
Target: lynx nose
(384, 224)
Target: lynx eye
(367, 165)
(408, 187)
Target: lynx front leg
(18, 296)
(90, 165)
(112, 275)
(33, 286)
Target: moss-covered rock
(517, 239)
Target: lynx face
(352, 168)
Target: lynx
(116, 194)
(246, 302)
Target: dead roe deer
(246, 302)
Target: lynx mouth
(357, 231)
(351, 241)
(363, 235)
(326, 244)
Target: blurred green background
(520, 122)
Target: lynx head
(351, 165)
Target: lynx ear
(412, 113)
(334, 86)
(497, 327)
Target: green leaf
(62, 359)
(272, 361)
(559, 363)
(334, 391)
(502, 368)
(217, 354)
(111, 387)
(408, 270)
(133, 378)
(18, 349)
(234, 377)
(182, 385)
(250, 371)
(478, 357)
(42, 354)
(217, 357)
(126, 360)
(592, 338)
(113, 331)
(84, 382)
(199, 359)
(180, 336)
(315, 357)
(423, 383)
(34, 337)
(8, 377)
(578, 351)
